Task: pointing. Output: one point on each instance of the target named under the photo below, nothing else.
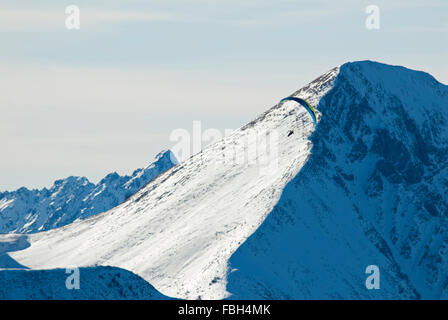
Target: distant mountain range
(28, 211)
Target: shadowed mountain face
(95, 283)
(372, 193)
(29, 211)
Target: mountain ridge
(29, 211)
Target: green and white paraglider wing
(305, 104)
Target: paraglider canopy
(305, 104)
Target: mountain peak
(166, 155)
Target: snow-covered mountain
(28, 211)
(366, 186)
(372, 193)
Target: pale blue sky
(106, 97)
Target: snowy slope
(366, 186)
(27, 211)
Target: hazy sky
(106, 97)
